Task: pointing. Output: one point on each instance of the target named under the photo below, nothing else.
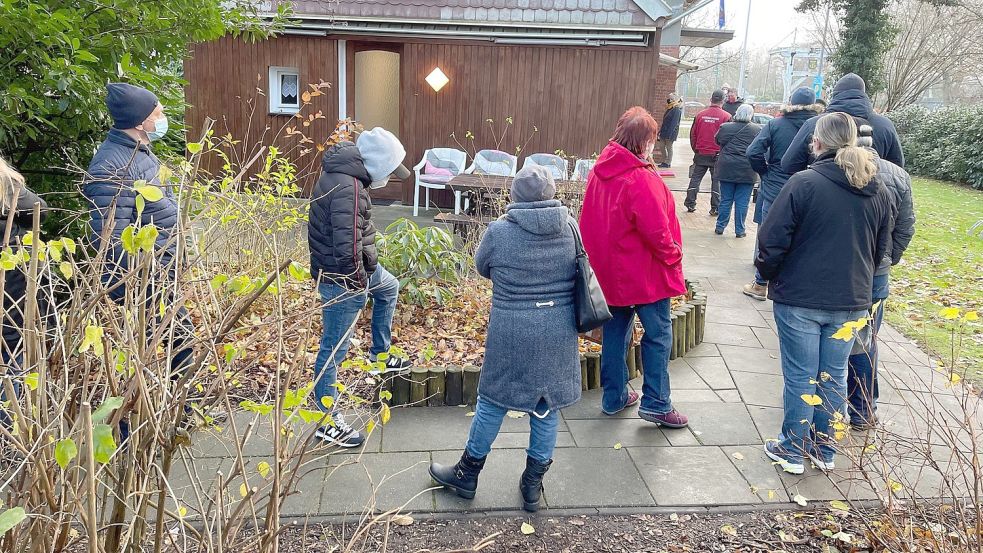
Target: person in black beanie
(124, 161)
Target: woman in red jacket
(632, 237)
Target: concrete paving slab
(683, 377)
(760, 389)
(736, 316)
(695, 396)
(733, 335)
(703, 350)
(752, 360)
(759, 471)
(767, 337)
(434, 429)
(379, 482)
(768, 420)
(720, 423)
(713, 371)
(520, 440)
(692, 476)
(730, 396)
(608, 433)
(573, 479)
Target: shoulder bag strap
(578, 243)
(738, 133)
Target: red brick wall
(665, 83)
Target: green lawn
(942, 268)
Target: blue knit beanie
(129, 105)
(803, 96)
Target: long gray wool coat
(531, 351)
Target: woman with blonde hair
(16, 218)
(824, 236)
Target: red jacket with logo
(705, 126)
(630, 230)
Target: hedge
(945, 144)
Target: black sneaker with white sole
(394, 363)
(340, 434)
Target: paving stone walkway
(730, 387)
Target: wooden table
(494, 184)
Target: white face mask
(649, 149)
(160, 129)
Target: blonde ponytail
(857, 163)
(837, 132)
(11, 183)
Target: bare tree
(934, 44)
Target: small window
(284, 90)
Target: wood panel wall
(559, 98)
(228, 82)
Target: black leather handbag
(589, 303)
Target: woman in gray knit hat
(532, 362)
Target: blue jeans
(813, 363)
(487, 422)
(862, 373)
(765, 205)
(341, 309)
(656, 345)
(734, 195)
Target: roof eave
(300, 18)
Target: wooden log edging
(458, 385)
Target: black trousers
(701, 164)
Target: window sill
(285, 111)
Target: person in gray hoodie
(862, 389)
(532, 363)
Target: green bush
(423, 259)
(946, 144)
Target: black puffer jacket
(765, 153)
(732, 165)
(898, 181)
(849, 97)
(823, 239)
(15, 282)
(341, 235)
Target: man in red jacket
(705, 151)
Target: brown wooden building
(562, 70)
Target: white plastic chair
(488, 162)
(582, 168)
(443, 158)
(556, 164)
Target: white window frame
(276, 106)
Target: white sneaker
(774, 452)
(817, 460)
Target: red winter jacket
(630, 230)
(702, 137)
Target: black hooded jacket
(15, 281)
(823, 239)
(341, 235)
(849, 97)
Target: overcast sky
(772, 22)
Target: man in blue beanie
(124, 162)
(765, 155)
(849, 97)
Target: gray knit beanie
(533, 183)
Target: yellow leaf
(856, 325)
(264, 469)
(838, 505)
(617, 445)
(527, 528)
(801, 500)
(949, 313)
(729, 530)
(838, 426)
(182, 512)
(469, 414)
(839, 435)
(812, 399)
(243, 490)
(971, 316)
(845, 333)
(66, 269)
(369, 427)
(771, 494)
(150, 192)
(895, 486)
(954, 379)
(327, 402)
(385, 414)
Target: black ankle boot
(531, 483)
(462, 477)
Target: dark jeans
(736, 195)
(862, 387)
(341, 307)
(543, 427)
(656, 344)
(764, 206)
(701, 164)
(813, 363)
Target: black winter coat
(732, 107)
(765, 153)
(732, 165)
(823, 239)
(670, 123)
(15, 282)
(898, 181)
(853, 102)
(118, 163)
(341, 235)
